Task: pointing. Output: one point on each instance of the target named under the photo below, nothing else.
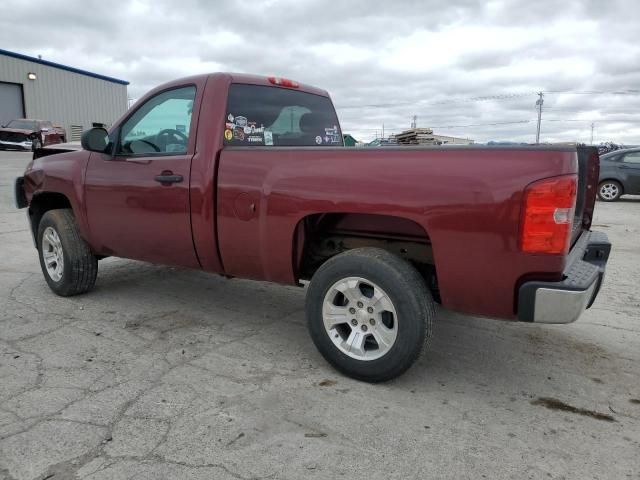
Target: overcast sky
(445, 61)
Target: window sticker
(240, 128)
(319, 140)
(331, 135)
(238, 134)
(268, 137)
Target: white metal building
(71, 98)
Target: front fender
(61, 174)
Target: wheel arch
(41, 203)
(612, 179)
(318, 237)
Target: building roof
(62, 67)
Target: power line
(397, 129)
(595, 92)
(490, 124)
(483, 98)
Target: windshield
(272, 116)
(23, 124)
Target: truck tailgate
(588, 173)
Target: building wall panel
(66, 98)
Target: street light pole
(539, 103)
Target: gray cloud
(462, 67)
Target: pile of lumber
(416, 136)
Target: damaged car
(27, 134)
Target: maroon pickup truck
(247, 176)
(27, 134)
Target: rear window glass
(272, 116)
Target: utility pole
(539, 103)
(414, 121)
(592, 125)
(382, 129)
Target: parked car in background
(619, 174)
(27, 134)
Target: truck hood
(57, 148)
(66, 167)
(17, 130)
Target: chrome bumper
(26, 145)
(564, 301)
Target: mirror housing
(44, 130)
(95, 140)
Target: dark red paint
(238, 209)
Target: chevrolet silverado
(247, 176)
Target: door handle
(167, 178)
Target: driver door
(137, 200)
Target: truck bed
(465, 201)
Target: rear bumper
(564, 302)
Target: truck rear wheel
(67, 263)
(369, 313)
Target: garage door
(10, 102)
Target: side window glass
(633, 157)
(161, 125)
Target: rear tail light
(547, 215)
(283, 82)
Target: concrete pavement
(163, 373)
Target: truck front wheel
(67, 263)
(369, 313)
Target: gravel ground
(163, 373)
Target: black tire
(408, 293)
(614, 192)
(80, 266)
(36, 144)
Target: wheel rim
(52, 254)
(360, 318)
(609, 191)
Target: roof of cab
(237, 78)
(264, 80)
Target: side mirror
(45, 129)
(95, 140)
